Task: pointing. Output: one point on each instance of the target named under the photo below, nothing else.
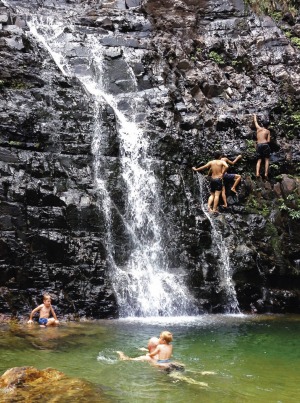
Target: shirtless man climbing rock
(263, 150)
(218, 167)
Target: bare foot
(42, 326)
(234, 191)
(208, 373)
(122, 356)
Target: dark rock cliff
(206, 67)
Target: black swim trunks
(228, 177)
(216, 185)
(263, 150)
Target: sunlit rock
(29, 384)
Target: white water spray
(226, 283)
(145, 285)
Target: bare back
(263, 135)
(218, 167)
(165, 351)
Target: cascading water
(219, 245)
(144, 284)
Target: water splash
(145, 285)
(219, 245)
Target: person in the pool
(152, 345)
(163, 350)
(160, 351)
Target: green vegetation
(272, 232)
(15, 143)
(291, 204)
(237, 62)
(273, 8)
(257, 206)
(295, 41)
(18, 85)
(289, 122)
(216, 57)
(276, 15)
(250, 146)
(294, 214)
(196, 54)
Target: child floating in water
(152, 345)
(160, 351)
(163, 350)
(45, 310)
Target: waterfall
(144, 284)
(219, 246)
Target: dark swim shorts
(216, 185)
(228, 177)
(263, 150)
(43, 321)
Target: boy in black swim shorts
(218, 168)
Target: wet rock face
(204, 68)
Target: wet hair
(263, 120)
(167, 336)
(217, 154)
(46, 296)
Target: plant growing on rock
(216, 57)
(273, 8)
(295, 41)
(291, 204)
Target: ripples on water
(228, 358)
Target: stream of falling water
(219, 245)
(144, 285)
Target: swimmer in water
(163, 350)
(152, 345)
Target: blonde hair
(167, 336)
(46, 296)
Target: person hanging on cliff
(229, 178)
(263, 150)
(218, 168)
(45, 309)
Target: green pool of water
(253, 358)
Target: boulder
(28, 384)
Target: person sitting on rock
(263, 150)
(45, 309)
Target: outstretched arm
(202, 168)
(234, 161)
(237, 159)
(33, 312)
(255, 122)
